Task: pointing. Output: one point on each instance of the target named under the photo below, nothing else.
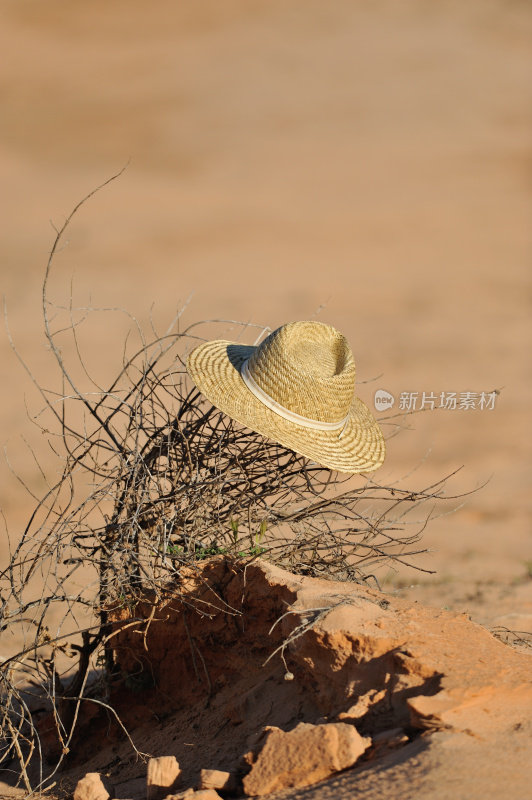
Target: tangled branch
(154, 479)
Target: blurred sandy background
(372, 158)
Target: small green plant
(125, 602)
(256, 548)
(256, 551)
(174, 549)
(202, 553)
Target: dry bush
(154, 479)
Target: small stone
(162, 777)
(216, 779)
(303, 756)
(93, 786)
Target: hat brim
(215, 368)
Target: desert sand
(362, 164)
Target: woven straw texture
(308, 368)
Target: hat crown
(308, 368)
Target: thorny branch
(154, 479)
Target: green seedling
(234, 527)
(174, 549)
(206, 552)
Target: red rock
(478, 711)
(371, 653)
(303, 756)
(163, 774)
(93, 786)
(216, 779)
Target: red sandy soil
(368, 158)
(440, 701)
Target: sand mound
(197, 680)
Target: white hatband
(276, 407)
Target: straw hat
(296, 387)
